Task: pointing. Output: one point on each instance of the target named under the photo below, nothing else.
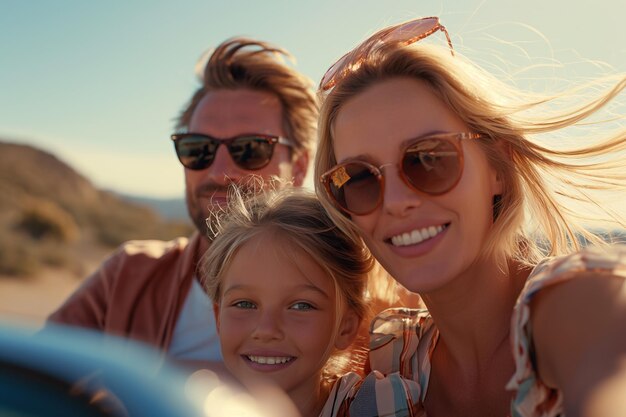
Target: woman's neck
(473, 312)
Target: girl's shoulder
(341, 394)
(374, 395)
(394, 323)
(402, 341)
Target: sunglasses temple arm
(445, 31)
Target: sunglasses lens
(195, 152)
(355, 187)
(432, 165)
(251, 152)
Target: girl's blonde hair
(297, 217)
(550, 190)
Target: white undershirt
(195, 334)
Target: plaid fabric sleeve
(400, 344)
(375, 395)
(533, 398)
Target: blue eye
(302, 305)
(245, 304)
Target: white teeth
(416, 236)
(269, 360)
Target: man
(253, 114)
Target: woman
(439, 169)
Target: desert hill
(52, 215)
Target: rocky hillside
(52, 215)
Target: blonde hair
(533, 217)
(297, 217)
(246, 63)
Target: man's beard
(204, 218)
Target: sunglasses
(431, 164)
(404, 34)
(250, 152)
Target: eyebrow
(302, 287)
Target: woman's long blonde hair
(551, 189)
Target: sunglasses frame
(272, 140)
(355, 57)
(453, 138)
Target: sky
(99, 83)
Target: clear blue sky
(99, 82)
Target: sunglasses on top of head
(405, 33)
(250, 152)
(430, 164)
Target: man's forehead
(226, 113)
(239, 100)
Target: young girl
(289, 293)
(440, 169)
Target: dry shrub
(115, 222)
(43, 219)
(18, 256)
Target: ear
(497, 183)
(497, 178)
(348, 329)
(300, 166)
(216, 313)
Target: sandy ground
(32, 299)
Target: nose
(268, 326)
(223, 170)
(399, 199)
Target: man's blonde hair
(246, 63)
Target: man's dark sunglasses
(251, 151)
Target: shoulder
(597, 262)
(152, 248)
(145, 257)
(341, 395)
(600, 260)
(376, 394)
(576, 271)
(395, 321)
(148, 252)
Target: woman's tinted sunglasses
(430, 164)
